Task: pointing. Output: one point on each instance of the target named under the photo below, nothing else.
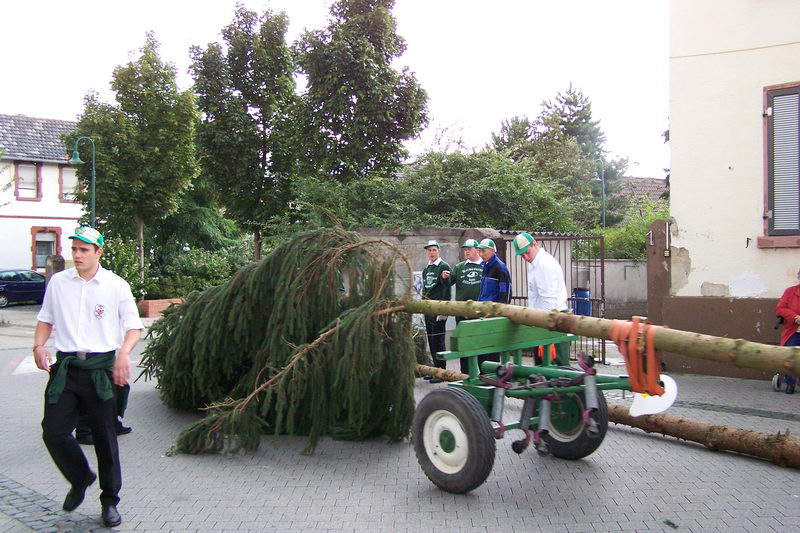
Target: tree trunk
(257, 244)
(781, 449)
(741, 353)
(140, 246)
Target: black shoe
(110, 516)
(123, 430)
(790, 389)
(77, 492)
(426, 378)
(436, 380)
(88, 440)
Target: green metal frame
(472, 338)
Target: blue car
(17, 285)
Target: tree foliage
(357, 109)
(246, 137)
(482, 189)
(300, 355)
(144, 146)
(629, 239)
(565, 144)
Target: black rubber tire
(3, 300)
(461, 408)
(575, 441)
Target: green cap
(522, 242)
(470, 243)
(88, 234)
(488, 243)
(431, 243)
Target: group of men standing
(484, 277)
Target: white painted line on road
(27, 366)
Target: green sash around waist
(97, 366)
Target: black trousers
(435, 330)
(85, 430)
(481, 358)
(60, 420)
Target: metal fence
(583, 260)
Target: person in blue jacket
(496, 280)
(495, 284)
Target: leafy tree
(7, 185)
(246, 139)
(144, 146)
(482, 189)
(357, 108)
(565, 144)
(629, 240)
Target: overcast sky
(480, 61)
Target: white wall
(18, 217)
(722, 55)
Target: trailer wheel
(453, 440)
(569, 437)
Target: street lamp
(76, 160)
(602, 192)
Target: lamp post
(602, 193)
(76, 160)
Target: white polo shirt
(546, 287)
(89, 316)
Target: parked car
(18, 285)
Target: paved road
(634, 482)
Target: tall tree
(570, 114)
(245, 92)
(144, 145)
(358, 108)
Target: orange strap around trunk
(634, 339)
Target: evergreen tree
(246, 135)
(357, 109)
(570, 114)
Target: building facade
(38, 211)
(733, 244)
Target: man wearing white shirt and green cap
(96, 325)
(546, 287)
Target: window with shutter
(69, 183)
(783, 153)
(27, 181)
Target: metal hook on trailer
(520, 446)
(590, 382)
(544, 426)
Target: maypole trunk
(781, 449)
(738, 352)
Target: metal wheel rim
(577, 429)
(3, 300)
(435, 425)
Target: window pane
(786, 164)
(69, 182)
(45, 245)
(26, 181)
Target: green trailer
(564, 411)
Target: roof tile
(33, 139)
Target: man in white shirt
(94, 315)
(546, 288)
